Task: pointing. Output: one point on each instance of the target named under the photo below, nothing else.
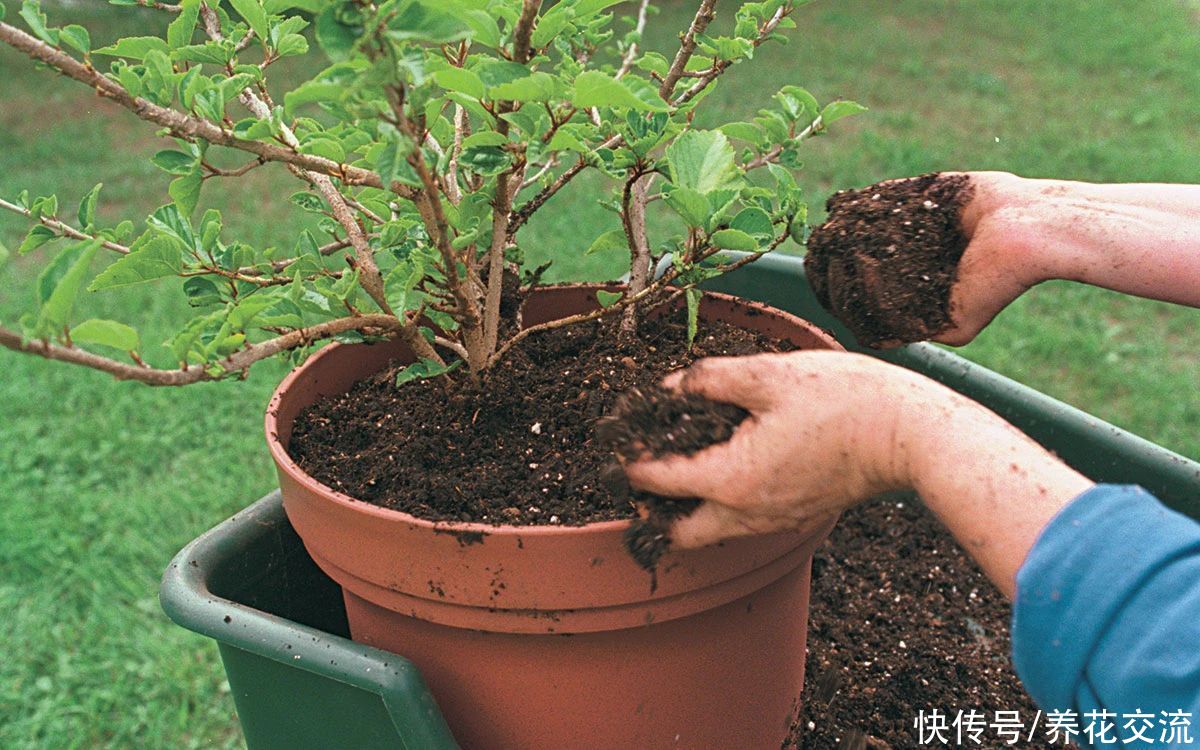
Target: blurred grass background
(102, 482)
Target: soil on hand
(886, 258)
(520, 449)
(657, 422)
(902, 621)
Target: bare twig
(633, 220)
(639, 29)
(524, 30)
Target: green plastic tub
(299, 682)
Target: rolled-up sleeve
(1107, 611)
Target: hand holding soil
(937, 257)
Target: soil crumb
(902, 621)
(519, 449)
(657, 422)
(886, 258)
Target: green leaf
(179, 32)
(312, 91)
(701, 160)
(424, 368)
(209, 52)
(743, 131)
(59, 285)
(733, 239)
(460, 79)
(174, 162)
(158, 258)
(653, 62)
(185, 191)
(753, 221)
(31, 11)
(837, 110)
(291, 44)
(87, 207)
(253, 13)
(550, 24)
(202, 291)
(484, 138)
(308, 202)
(536, 87)
(106, 333)
(609, 241)
(596, 89)
(692, 206)
(392, 160)
(426, 21)
(38, 235)
(77, 37)
(336, 38)
(606, 298)
(327, 147)
(693, 314)
(134, 47)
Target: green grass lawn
(102, 481)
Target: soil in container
(519, 449)
(886, 258)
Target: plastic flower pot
(299, 683)
(551, 636)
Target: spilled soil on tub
(901, 621)
(521, 448)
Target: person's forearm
(992, 486)
(1140, 239)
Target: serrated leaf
(106, 333)
(308, 202)
(326, 147)
(550, 24)
(460, 79)
(174, 162)
(38, 235)
(753, 221)
(134, 47)
(691, 206)
(337, 39)
(312, 91)
(209, 52)
(391, 160)
(425, 21)
(743, 131)
(254, 15)
(179, 31)
(484, 138)
(596, 89)
(701, 160)
(185, 191)
(733, 239)
(31, 11)
(87, 207)
(59, 285)
(609, 241)
(291, 45)
(837, 110)
(76, 37)
(607, 298)
(536, 87)
(158, 258)
(202, 291)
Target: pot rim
(284, 461)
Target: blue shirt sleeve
(1107, 617)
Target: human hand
(933, 257)
(824, 432)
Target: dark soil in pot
(901, 621)
(521, 448)
(885, 259)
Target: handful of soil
(886, 258)
(657, 422)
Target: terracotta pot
(548, 636)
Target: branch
(524, 30)
(720, 66)
(64, 230)
(183, 125)
(369, 277)
(633, 220)
(237, 362)
(631, 53)
(704, 16)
